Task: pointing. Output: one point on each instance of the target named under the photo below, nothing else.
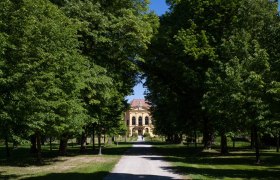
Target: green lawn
(22, 165)
(239, 164)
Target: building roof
(136, 103)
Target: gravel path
(141, 163)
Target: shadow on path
(123, 176)
(140, 149)
(141, 162)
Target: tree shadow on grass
(98, 176)
(9, 176)
(70, 176)
(179, 151)
(268, 174)
(21, 157)
(268, 169)
(141, 148)
(198, 156)
(207, 161)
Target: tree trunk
(278, 141)
(208, 140)
(93, 136)
(104, 139)
(15, 144)
(195, 139)
(50, 143)
(83, 142)
(168, 138)
(257, 145)
(207, 134)
(252, 138)
(33, 148)
(63, 145)
(99, 144)
(8, 154)
(110, 140)
(224, 148)
(39, 152)
(43, 139)
(181, 139)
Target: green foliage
(214, 65)
(135, 134)
(146, 134)
(114, 35)
(41, 70)
(66, 66)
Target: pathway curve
(141, 163)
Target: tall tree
(113, 35)
(202, 49)
(44, 68)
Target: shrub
(134, 134)
(146, 134)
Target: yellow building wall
(135, 128)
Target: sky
(159, 7)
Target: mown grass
(22, 164)
(238, 164)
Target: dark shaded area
(229, 173)
(193, 155)
(139, 151)
(22, 157)
(71, 176)
(10, 176)
(97, 176)
(121, 176)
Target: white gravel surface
(141, 163)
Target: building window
(146, 120)
(127, 122)
(140, 121)
(133, 120)
(147, 130)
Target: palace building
(138, 118)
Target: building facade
(138, 118)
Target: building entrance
(140, 132)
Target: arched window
(146, 120)
(147, 130)
(133, 120)
(140, 121)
